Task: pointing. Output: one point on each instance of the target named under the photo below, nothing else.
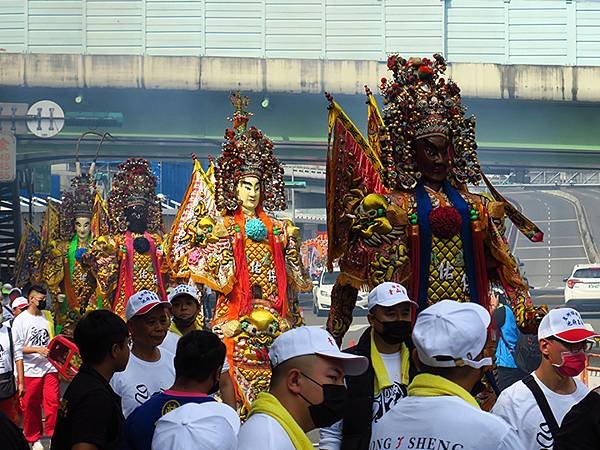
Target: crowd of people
(158, 381)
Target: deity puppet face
(248, 193)
(82, 227)
(433, 158)
(137, 218)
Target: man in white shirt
(8, 360)
(149, 369)
(32, 333)
(563, 340)
(372, 394)
(307, 391)
(186, 307)
(440, 412)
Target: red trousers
(40, 391)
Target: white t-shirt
(441, 422)
(170, 344)
(262, 432)
(32, 331)
(331, 437)
(6, 359)
(517, 405)
(141, 379)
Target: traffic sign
(48, 121)
(8, 157)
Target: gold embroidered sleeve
(298, 279)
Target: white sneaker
(37, 445)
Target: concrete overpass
(527, 69)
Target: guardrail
(589, 369)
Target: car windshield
(592, 272)
(329, 277)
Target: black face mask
(184, 324)
(396, 331)
(331, 410)
(42, 304)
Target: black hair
(199, 354)
(279, 373)
(97, 332)
(37, 288)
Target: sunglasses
(584, 346)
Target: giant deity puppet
(67, 230)
(398, 204)
(129, 259)
(223, 238)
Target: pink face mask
(572, 364)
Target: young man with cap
(90, 416)
(386, 344)
(307, 391)
(536, 406)
(186, 307)
(198, 364)
(440, 412)
(211, 426)
(32, 332)
(150, 369)
(19, 305)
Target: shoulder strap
(542, 402)
(12, 345)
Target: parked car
(322, 294)
(584, 283)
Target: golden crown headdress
(420, 102)
(134, 185)
(247, 152)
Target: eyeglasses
(584, 346)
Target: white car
(584, 283)
(322, 294)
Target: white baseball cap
(15, 289)
(303, 341)
(183, 289)
(566, 324)
(19, 302)
(388, 294)
(201, 426)
(451, 334)
(142, 302)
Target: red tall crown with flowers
(420, 102)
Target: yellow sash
(427, 385)
(382, 378)
(266, 403)
(48, 316)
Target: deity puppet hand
(377, 220)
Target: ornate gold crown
(247, 152)
(78, 202)
(134, 185)
(420, 103)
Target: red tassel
(241, 267)
(481, 269)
